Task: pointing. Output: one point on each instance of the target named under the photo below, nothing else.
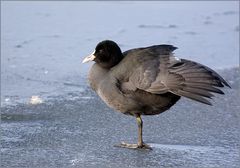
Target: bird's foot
(133, 146)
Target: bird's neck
(96, 74)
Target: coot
(148, 81)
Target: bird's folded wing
(182, 77)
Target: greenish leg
(140, 125)
(140, 143)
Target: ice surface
(42, 47)
(80, 131)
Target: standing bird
(148, 81)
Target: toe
(133, 146)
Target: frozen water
(82, 132)
(42, 47)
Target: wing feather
(157, 71)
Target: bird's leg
(140, 125)
(140, 143)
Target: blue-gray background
(42, 46)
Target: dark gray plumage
(148, 81)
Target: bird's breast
(96, 75)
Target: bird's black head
(107, 54)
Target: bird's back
(156, 70)
(150, 80)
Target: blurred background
(43, 43)
(50, 117)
